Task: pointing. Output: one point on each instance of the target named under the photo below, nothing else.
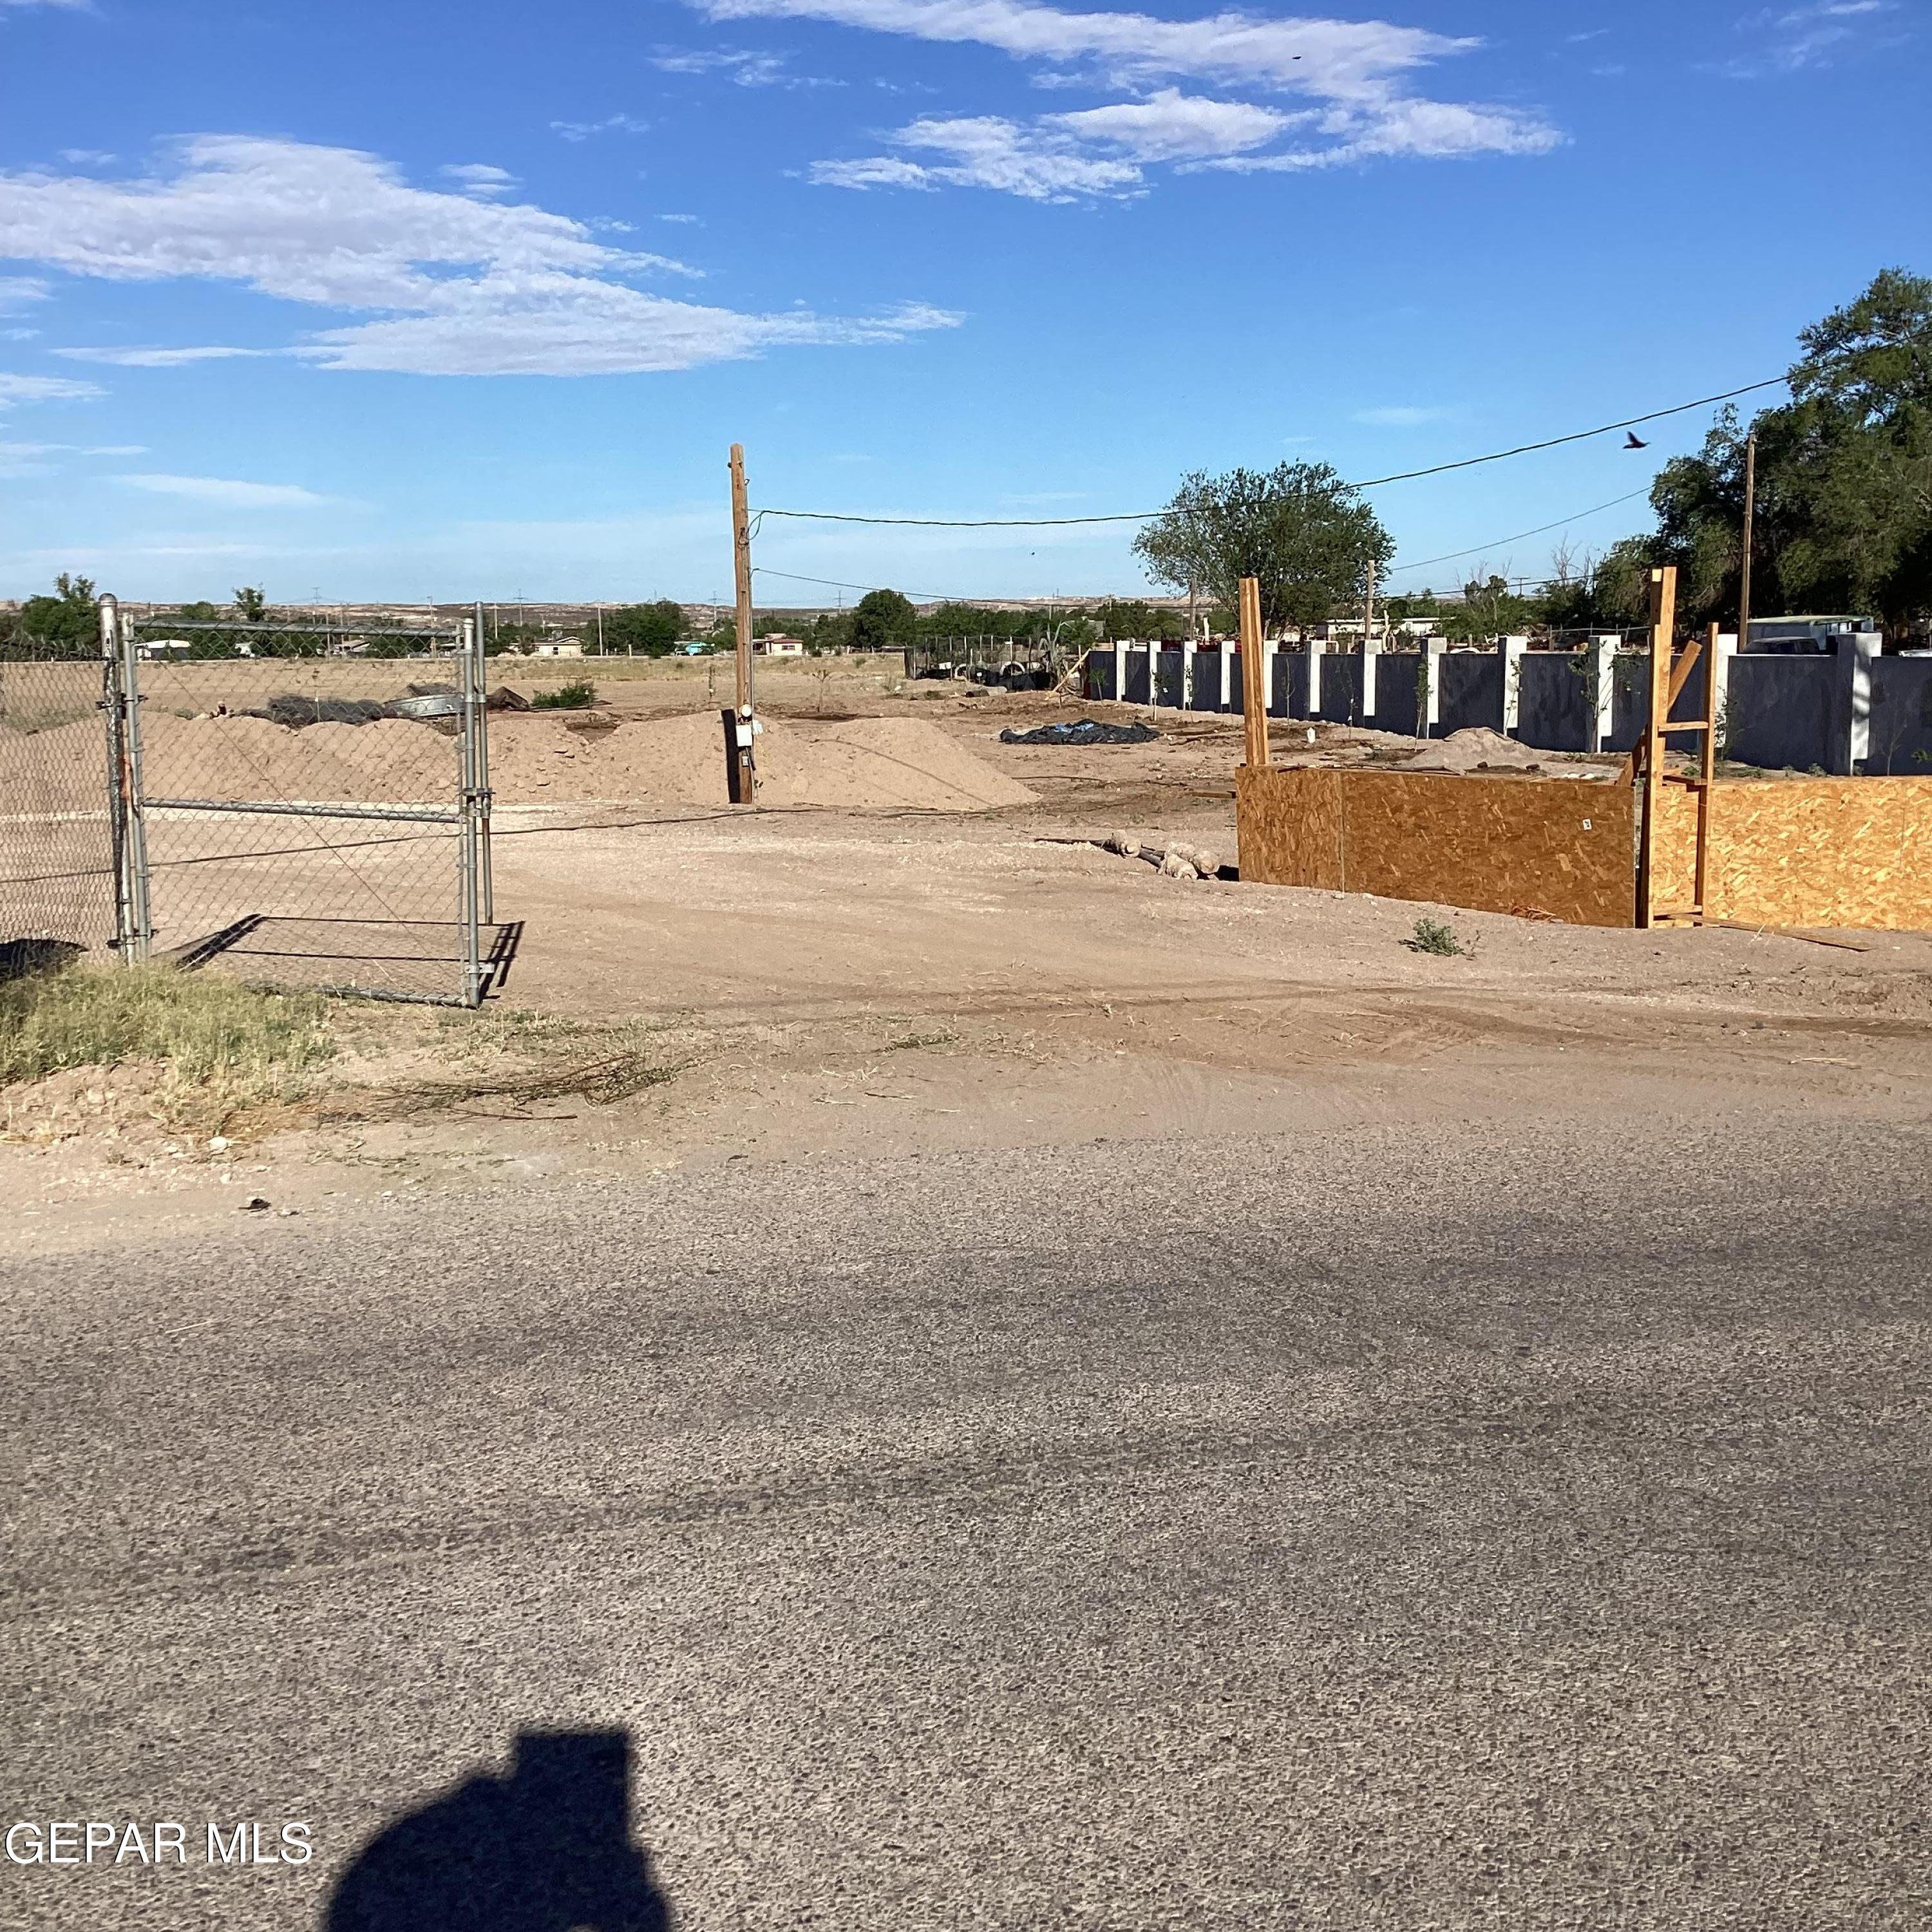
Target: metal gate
(304, 818)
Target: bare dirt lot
(881, 981)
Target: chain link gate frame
(202, 867)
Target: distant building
(559, 647)
(164, 647)
(777, 645)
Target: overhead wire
(1368, 483)
(1541, 530)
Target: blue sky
(454, 301)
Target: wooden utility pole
(1749, 542)
(1254, 675)
(741, 729)
(1662, 637)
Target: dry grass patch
(206, 1048)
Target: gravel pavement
(1397, 1528)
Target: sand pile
(870, 762)
(1472, 748)
(863, 762)
(876, 762)
(242, 758)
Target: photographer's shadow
(546, 1849)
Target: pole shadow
(546, 1849)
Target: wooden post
(745, 791)
(1254, 675)
(1662, 635)
(1707, 772)
(1748, 544)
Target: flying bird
(1633, 441)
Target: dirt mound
(859, 763)
(1476, 746)
(873, 762)
(241, 757)
(394, 760)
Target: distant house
(559, 647)
(777, 645)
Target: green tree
(251, 605)
(648, 630)
(882, 619)
(66, 624)
(1307, 536)
(1844, 475)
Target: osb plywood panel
(1288, 825)
(1807, 852)
(1563, 848)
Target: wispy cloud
(1353, 75)
(147, 358)
(1790, 39)
(1058, 156)
(15, 389)
(611, 124)
(20, 292)
(479, 178)
(231, 493)
(744, 66)
(451, 284)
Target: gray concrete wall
(1397, 705)
(1784, 709)
(1470, 690)
(1779, 711)
(1342, 689)
(1554, 704)
(1901, 729)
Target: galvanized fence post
(469, 843)
(136, 934)
(480, 769)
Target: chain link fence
(59, 821)
(252, 799)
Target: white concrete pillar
(1603, 689)
(1269, 648)
(1226, 655)
(1372, 658)
(1431, 707)
(1187, 674)
(1512, 650)
(1120, 672)
(1720, 681)
(1315, 649)
(1856, 650)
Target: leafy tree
(251, 606)
(66, 624)
(1134, 618)
(649, 630)
(1844, 475)
(1307, 536)
(882, 619)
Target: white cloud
(1170, 126)
(43, 389)
(229, 492)
(479, 178)
(1354, 70)
(17, 291)
(986, 151)
(451, 284)
(614, 123)
(690, 221)
(160, 358)
(1798, 37)
(747, 68)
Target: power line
(1369, 483)
(1540, 530)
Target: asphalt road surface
(1428, 1529)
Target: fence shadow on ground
(546, 1848)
